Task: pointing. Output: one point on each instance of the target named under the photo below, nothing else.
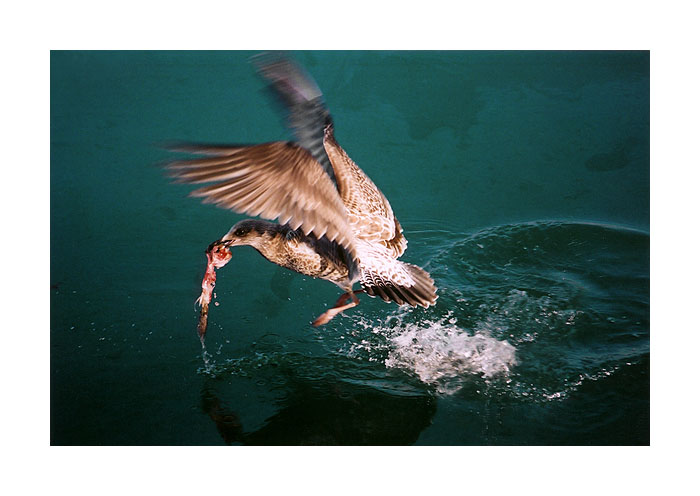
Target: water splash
(444, 355)
(206, 358)
(438, 352)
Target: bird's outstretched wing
(276, 181)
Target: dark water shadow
(327, 412)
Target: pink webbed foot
(339, 307)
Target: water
(521, 180)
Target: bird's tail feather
(420, 290)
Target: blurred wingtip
(286, 76)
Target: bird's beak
(228, 242)
(219, 243)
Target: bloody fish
(218, 255)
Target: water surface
(522, 183)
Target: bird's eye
(240, 232)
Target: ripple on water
(532, 309)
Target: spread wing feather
(277, 181)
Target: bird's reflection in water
(328, 412)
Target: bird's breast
(301, 256)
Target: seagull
(331, 220)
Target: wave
(532, 311)
(529, 309)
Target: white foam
(444, 355)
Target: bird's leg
(340, 305)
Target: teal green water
(521, 180)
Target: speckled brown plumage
(331, 224)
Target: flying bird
(332, 222)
